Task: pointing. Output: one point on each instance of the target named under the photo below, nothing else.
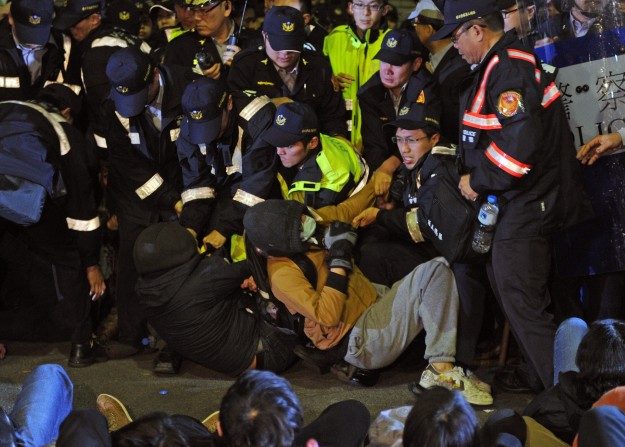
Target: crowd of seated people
(257, 197)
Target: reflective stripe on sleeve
(246, 198)
(100, 141)
(83, 225)
(478, 101)
(551, 94)
(518, 54)
(149, 187)
(9, 82)
(505, 162)
(412, 222)
(197, 194)
(479, 121)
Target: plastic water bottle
(487, 217)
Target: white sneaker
(479, 384)
(455, 379)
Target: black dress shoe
(7, 430)
(167, 362)
(355, 376)
(315, 359)
(511, 381)
(85, 354)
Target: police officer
(208, 48)
(282, 69)
(445, 64)
(56, 251)
(29, 55)
(144, 179)
(515, 144)
(401, 80)
(92, 43)
(204, 150)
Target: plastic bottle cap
(492, 199)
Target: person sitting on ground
(601, 362)
(343, 312)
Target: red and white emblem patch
(510, 103)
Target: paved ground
(196, 391)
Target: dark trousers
(84, 428)
(343, 424)
(602, 427)
(131, 315)
(50, 300)
(278, 343)
(518, 271)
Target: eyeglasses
(505, 13)
(201, 10)
(410, 141)
(374, 7)
(455, 37)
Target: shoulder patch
(510, 103)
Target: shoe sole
(80, 364)
(416, 388)
(118, 402)
(210, 422)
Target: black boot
(315, 359)
(355, 376)
(167, 361)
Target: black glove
(340, 238)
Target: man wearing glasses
(351, 49)
(208, 48)
(514, 143)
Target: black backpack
(446, 219)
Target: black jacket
(377, 109)
(16, 80)
(145, 176)
(253, 74)
(201, 312)
(516, 143)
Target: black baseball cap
(293, 122)
(199, 3)
(284, 26)
(424, 112)
(129, 71)
(165, 5)
(400, 46)
(32, 20)
(457, 12)
(75, 11)
(203, 102)
(124, 14)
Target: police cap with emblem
(424, 112)
(125, 15)
(203, 102)
(458, 12)
(165, 5)
(130, 73)
(75, 11)
(284, 26)
(32, 20)
(400, 46)
(294, 121)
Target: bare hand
(3, 351)
(215, 239)
(231, 51)
(213, 72)
(381, 182)
(249, 284)
(599, 146)
(465, 188)
(365, 218)
(112, 223)
(97, 286)
(344, 80)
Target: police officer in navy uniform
(58, 253)
(91, 44)
(208, 47)
(516, 144)
(29, 55)
(400, 81)
(282, 68)
(145, 179)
